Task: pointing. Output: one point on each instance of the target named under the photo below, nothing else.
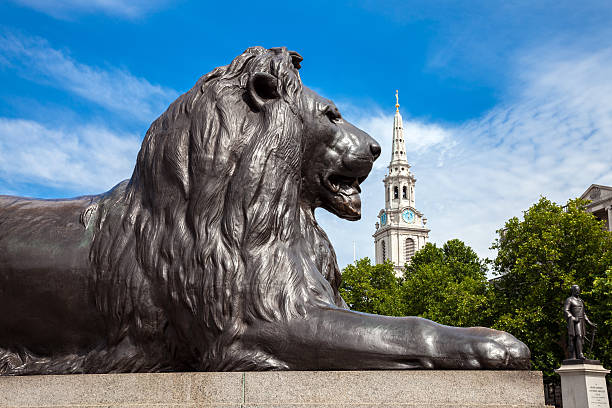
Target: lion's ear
(262, 88)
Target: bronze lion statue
(209, 258)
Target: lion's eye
(332, 113)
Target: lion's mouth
(344, 199)
(339, 184)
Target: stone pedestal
(583, 385)
(325, 389)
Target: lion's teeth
(331, 186)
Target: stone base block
(325, 389)
(583, 385)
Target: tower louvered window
(384, 251)
(409, 248)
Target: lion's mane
(210, 224)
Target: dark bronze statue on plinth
(576, 316)
(210, 257)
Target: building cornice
(400, 228)
(600, 201)
(400, 176)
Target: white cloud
(552, 137)
(89, 157)
(419, 136)
(114, 89)
(66, 9)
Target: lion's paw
(501, 350)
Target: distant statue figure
(576, 317)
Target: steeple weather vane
(396, 100)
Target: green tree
(538, 259)
(599, 310)
(372, 288)
(447, 285)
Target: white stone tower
(401, 230)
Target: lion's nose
(375, 149)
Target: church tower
(401, 230)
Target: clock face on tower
(383, 218)
(408, 216)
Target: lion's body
(66, 292)
(210, 257)
(34, 258)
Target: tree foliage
(600, 312)
(538, 259)
(372, 288)
(447, 285)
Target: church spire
(398, 147)
(401, 229)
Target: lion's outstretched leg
(332, 338)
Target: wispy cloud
(419, 136)
(90, 158)
(113, 88)
(66, 9)
(552, 136)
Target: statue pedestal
(583, 384)
(304, 389)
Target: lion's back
(50, 226)
(45, 275)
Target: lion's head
(217, 221)
(338, 158)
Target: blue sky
(502, 101)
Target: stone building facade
(400, 230)
(601, 202)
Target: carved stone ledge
(329, 389)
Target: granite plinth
(325, 389)
(583, 385)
